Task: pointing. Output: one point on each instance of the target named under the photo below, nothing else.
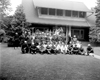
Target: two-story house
(51, 14)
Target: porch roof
(60, 22)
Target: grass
(17, 66)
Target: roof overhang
(59, 22)
(61, 4)
(33, 17)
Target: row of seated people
(78, 49)
(57, 47)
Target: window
(44, 11)
(59, 12)
(52, 11)
(67, 13)
(82, 14)
(75, 13)
(78, 32)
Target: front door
(78, 32)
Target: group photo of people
(52, 42)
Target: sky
(14, 4)
(88, 3)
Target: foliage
(95, 31)
(94, 34)
(98, 13)
(4, 19)
(19, 21)
(4, 7)
(5, 23)
(19, 17)
(2, 34)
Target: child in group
(58, 47)
(70, 49)
(75, 50)
(65, 48)
(81, 50)
(89, 49)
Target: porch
(81, 32)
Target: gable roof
(91, 19)
(33, 17)
(61, 4)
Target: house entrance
(78, 32)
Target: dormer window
(52, 11)
(74, 13)
(44, 11)
(68, 13)
(82, 14)
(59, 12)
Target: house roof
(61, 4)
(33, 17)
(91, 18)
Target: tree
(95, 31)
(19, 17)
(4, 7)
(18, 22)
(6, 22)
(97, 8)
(98, 13)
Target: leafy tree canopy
(95, 31)
(19, 17)
(98, 13)
(4, 7)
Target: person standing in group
(69, 39)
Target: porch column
(67, 27)
(70, 30)
(56, 26)
(67, 32)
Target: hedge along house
(53, 14)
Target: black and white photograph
(49, 39)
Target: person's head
(89, 45)
(32, 43)
(25, 41)
(74, 36)
(16, 33)
(70, 42)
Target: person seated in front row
(53, 48)
(75, 50)
(58, 50)
(89, 49)
(81, 50)
(70, 49)
(39, 48)
(65, 48)
(48, 48)
(33, 48)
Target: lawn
(17, 66)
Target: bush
(5, 39)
